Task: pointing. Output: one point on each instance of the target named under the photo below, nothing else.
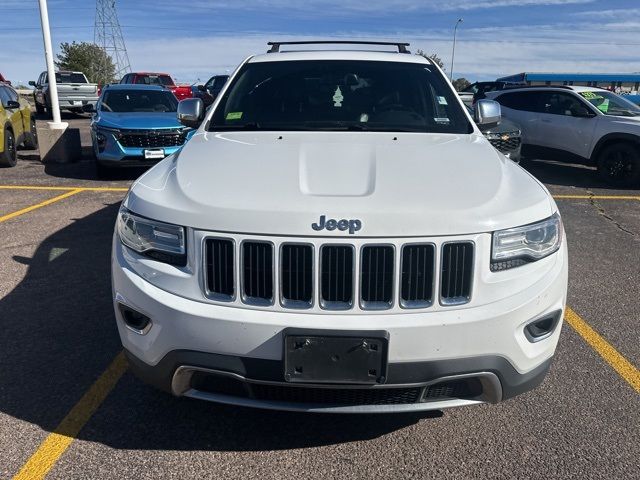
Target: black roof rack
(275, 46)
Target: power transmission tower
(107, 34)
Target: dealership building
(628, 82)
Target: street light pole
(453, 53)
(57, 123)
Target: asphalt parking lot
(70, 409)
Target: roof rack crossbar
(275, 46)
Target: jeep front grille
(257, 272)
(219, 272)
(456, 271)
(376, 276)
(338, 276)
(296, 275)
(336, 273)
(417, 272)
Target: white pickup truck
(74, 92)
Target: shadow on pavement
(566, 174)
(59, 335)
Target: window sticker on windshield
(442, 120)
(604, 106)
(589, 94)
(234, 116)
(337, 98)
(442, 101)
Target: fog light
(135, 320)
(542, 328)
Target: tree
(461, 83)
(88, 58)
(433, 57)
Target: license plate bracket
(341, 357)
(154, 153)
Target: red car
(146, 78)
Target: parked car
(17, 125)
(505, 136)
(135, 125)
(478, 90)
(74, 92)
(210, 90)
(144, 78)
(338, 236)
(580, 125)
(4, 80)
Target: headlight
(516, 246)
(161, 241)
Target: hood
(505, 126)
(393, 184)
(143, 120)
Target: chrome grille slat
(296, 271)
(417, 275)
(376, 276)
(219, 259)
(456, 272)
(336, 272)
(257, 272)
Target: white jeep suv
(578, 124)
(338, 236)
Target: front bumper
(486, 343)
(115, 155)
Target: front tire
(39, 109)
(9, 156)
(619, 165)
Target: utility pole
(57, 123)
(453, 53)
(107, 34)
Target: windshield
(155, 80)
(336, 95)
(70, 78)
(123, 101)
(611, 104)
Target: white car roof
(340, 55)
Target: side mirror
(191, 112)
(487, 112)
(202, 88)
(32, 83)
(89, 108)
(11, 104)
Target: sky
(195, 39)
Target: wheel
(619, 164)
(31, 139)
(48, 113)
(39, 109)
(8, 157)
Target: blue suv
(135, 125)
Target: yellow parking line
(44, 187)
(9, 216)
(52, 448)
(620, 364)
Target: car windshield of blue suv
(340, 95)
(138, 101)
